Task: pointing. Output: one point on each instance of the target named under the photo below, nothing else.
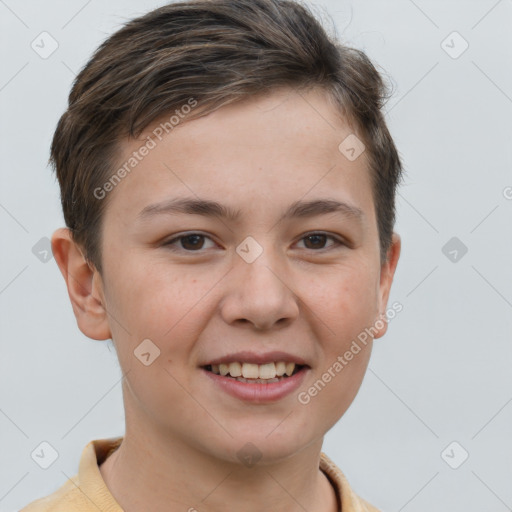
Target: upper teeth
(254, 371)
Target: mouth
(252, 373)
(256, 378)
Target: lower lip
(258, 393)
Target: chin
(264, 444)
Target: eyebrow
(210, 208)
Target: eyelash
(171, 242)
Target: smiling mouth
(256, 373)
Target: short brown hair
(217, 52)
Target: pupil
(195, 244)
(316, 237)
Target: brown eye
(316, 241)
(193, 242)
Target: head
(250, 104)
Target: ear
(387, 273)
(84, 285)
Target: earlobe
(84, 286)
(386, 279)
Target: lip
(254, 358)
(258, 393)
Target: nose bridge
(261, 269)
(259, 292)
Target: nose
(259, 294)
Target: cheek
(346, 307)
(165, 307)
(339, 393)
(158, 301)
(345, 302)
(336, 382)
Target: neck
(161, 474)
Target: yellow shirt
(87, 492)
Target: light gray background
(441, 374)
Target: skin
(306, 297)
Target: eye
(317, 241)
(191, 242)
(195, 242)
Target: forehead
(270, 149)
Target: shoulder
(86, 491)
(349, 500)
(368, 507)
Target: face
(291, 275)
